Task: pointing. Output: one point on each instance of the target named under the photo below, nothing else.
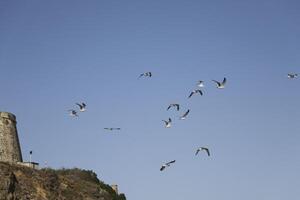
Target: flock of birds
(82, 108)
(168, 123)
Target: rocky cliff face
(23, 183)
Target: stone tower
(10, 150)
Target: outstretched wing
(169, 107)
(173, 161)
(217, 82)
(224, 81)
(200, 92)
(78, 104)
(207, 151)
(186, 113)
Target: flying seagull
(81, 106)
(149, 74)
(168, 123)
(73, 113)
(200, 84)
(219, 84)
(194, 92)
(203, 149)
(111, 129)
(185, 114)
(173, 105)
(166, 165)
(291, 76)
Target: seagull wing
(150, 74)
(224, 81)
(207, 151)
(197, 151)
(169, 107)
(200, 92)
(191, 94)
(83, 104)
(186, 113)
(80, 106)
(162, 168)
(217, 82)
(173, 161)
(177, 106)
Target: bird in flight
(219, 84)
(200, 84)
(194, 92)
(166, 165)
(185, 114)
(168, 123)
(112, 129)
(291, 76)
(73, 113)
(81, 106)
(202, 149)
(173, 105)
(149, 74)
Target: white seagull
(73, 113)
(166, 165)
(203, 149)
(173, 105)
(168, 123)
(200, 84)
(195, 91)
(81, 106)
(149, 74)
(112, 129)
(185, 114)
(291, 76)
(219, 84)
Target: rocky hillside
(23, 183)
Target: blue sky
(54, 54)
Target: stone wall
(10, 150)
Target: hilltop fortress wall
(10, 150)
